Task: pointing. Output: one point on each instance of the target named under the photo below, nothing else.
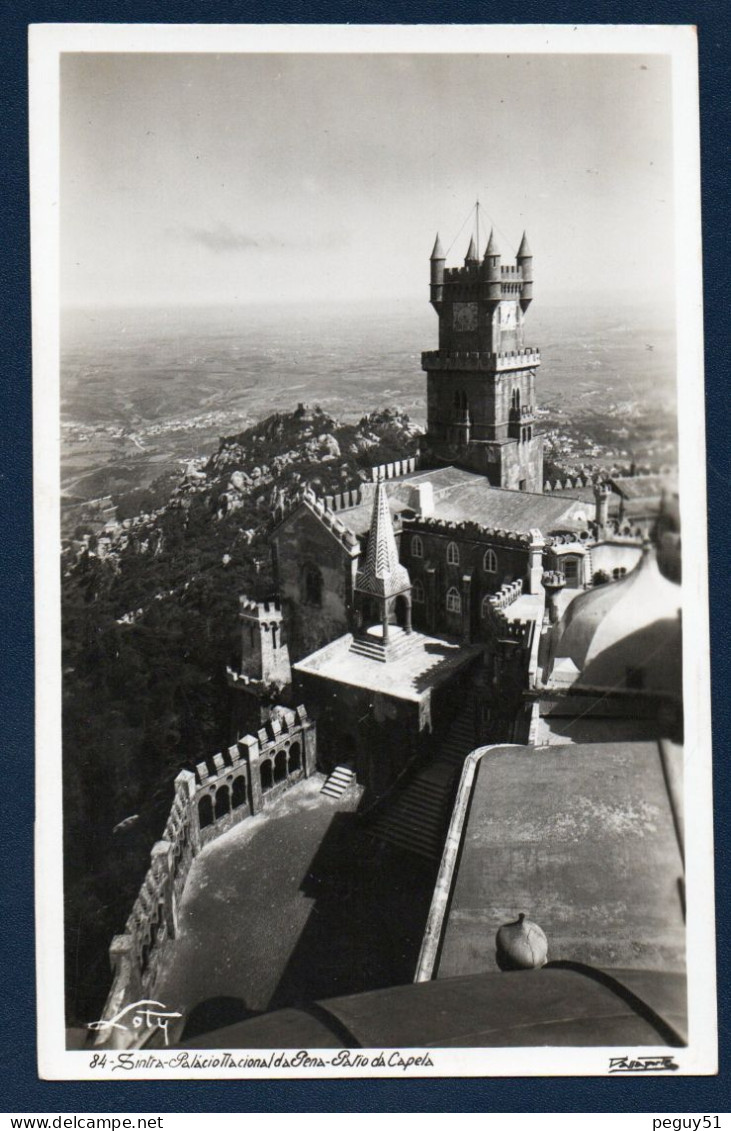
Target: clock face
(464, 316)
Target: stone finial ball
(521, 945)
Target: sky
(269, 178)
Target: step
(404, 844)
(338, 781)
(424, 839)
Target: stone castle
(449, 604)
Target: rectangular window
(570, 568)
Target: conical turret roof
(438, 250)
(492, 247)
(382, 574)
(471, 256)
(524, 250)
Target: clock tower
(481, 380)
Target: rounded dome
(631, 625)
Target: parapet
(279, 728)
(137, 955)
(467, 529)
(320, 508)
(396, 469)
(265, 612)
(553, 579)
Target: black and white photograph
(373, 688)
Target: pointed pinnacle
(492, 247)
(524, 251)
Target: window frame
(453, 602)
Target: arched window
(489, 561)
(294, 760)
(238, 793)
(265, 773)
(312, 585)
(417, 592)
(485, 607)
(280, 766)
(454, 601)
(452, 554)
(205, 811)
(222, 802)
(417, 547)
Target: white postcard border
(47, 42)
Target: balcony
(488, 362)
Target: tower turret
(602, 495)
(491, 269)
(525, 263)
(471, 257)
(554, 582)
(264, 675)
(436, 288)
(481, 379)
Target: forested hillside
(147, 632)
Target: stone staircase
(416, 817)
(339, 780)
(400, 644)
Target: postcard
(373, 658)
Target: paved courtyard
(291, 906)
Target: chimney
(421, 499)
(602, 495)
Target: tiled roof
(643, 486)
(467, 496)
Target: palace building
(495, 663)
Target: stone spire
(382, 574)
(437, 250)
(471, 256)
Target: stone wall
(231, 787)
(315, 568)
(507, 554)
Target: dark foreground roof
(556, 1007)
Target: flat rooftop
(581, 839)
(429, 661)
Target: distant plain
(145, 389)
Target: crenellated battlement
(553, 579)
(466, 529)
(469, 360)
(508, 592)
(264, 612)
(319, 507)
(224, 790)
(396, 469)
